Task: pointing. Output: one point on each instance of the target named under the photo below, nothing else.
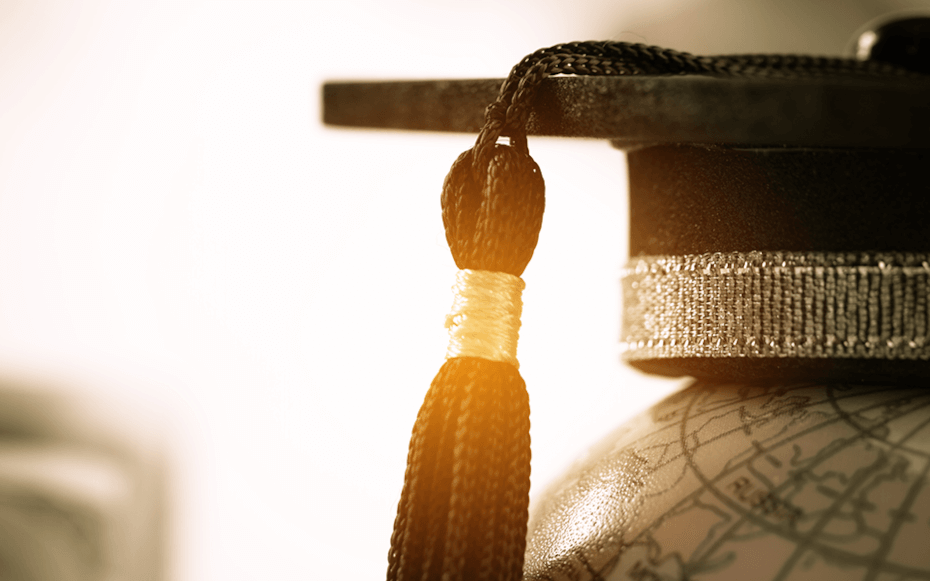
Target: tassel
(463, 511)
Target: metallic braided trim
(777, 304)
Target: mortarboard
(779, 254)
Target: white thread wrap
(870, 305)
(485, 317)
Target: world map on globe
(748, 482)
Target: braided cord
(508, 114)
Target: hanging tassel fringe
(463, 513)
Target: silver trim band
(777, 304)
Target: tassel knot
(492, 208)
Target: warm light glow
(177, 227)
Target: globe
(748, 482)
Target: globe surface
(748, 482)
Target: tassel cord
(508, 114)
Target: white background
(178, 229)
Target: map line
(896, 524)
(748, 516)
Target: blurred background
(252, 303)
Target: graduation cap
(778, 234)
